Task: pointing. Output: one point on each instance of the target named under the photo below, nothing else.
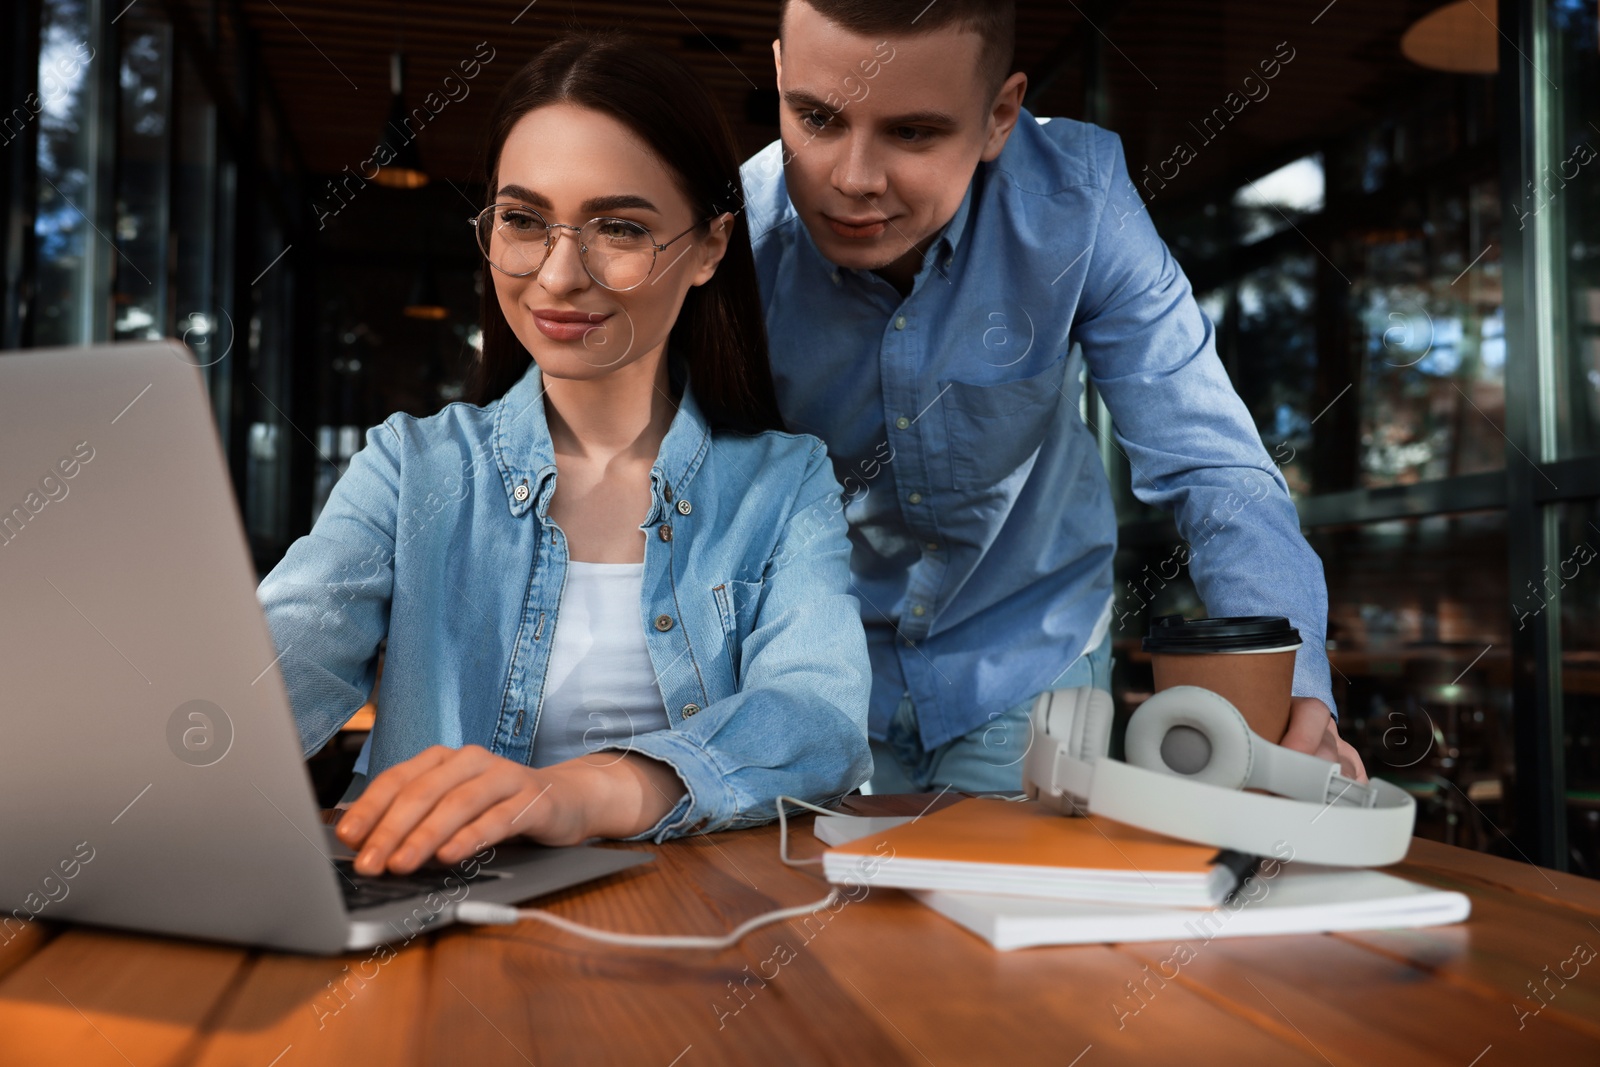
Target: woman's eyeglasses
(617, 253)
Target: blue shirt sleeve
(327, 601)
(1190, 442)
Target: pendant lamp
(397, 144)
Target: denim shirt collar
(526, 456)
(950, 240)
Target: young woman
(614, 590)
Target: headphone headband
(1339, 822)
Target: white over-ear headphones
(1189, 753)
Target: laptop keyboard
(368, 891)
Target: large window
(1429, 408)
(1422, 664)
(1426, 315)
(144, 177)
(71, 252)
(1572, 587)
(1564, 198)
(1555, 580)
(199, 279)
(141, 228)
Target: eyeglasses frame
(551, 237)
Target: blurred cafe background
(1390, 209)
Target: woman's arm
(327, 600)
(797, 726)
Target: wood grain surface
(874, 980)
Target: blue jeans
(986, 760)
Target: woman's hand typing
(448, 803)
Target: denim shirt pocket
(737, 603)
(994, 428)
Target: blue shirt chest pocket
(738, 603)
(995, 428)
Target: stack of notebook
(1017, 875)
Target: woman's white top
(600, 687)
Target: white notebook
(1299, 898)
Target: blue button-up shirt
(982, 522)
(438, 536)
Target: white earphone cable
(783, 831)
(483, 913)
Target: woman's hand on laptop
(448, 803)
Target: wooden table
(881, 981)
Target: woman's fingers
(369, 807)
(410, 797)
(516, 814)
(456, 813)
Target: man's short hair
(995, 21)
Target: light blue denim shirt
(981, 519)
(438, 537)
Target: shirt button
(902, 422)
(520, 492)
(665, 532)
(663, 623)
(932, 546)
(915, 498)
(918, 610)
(684, 507)
(666, 491)
(899, 322)
(909, 643)
(837, 278)
(690, 709)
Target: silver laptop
(151, 775)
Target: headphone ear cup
(1192, 733)
(1079, 718)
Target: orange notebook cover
(1021, 848)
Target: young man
(929, 252)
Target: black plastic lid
(1244, 633)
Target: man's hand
(1312, 729)
(448, 803)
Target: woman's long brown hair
(719, 335)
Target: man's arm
(1190, 441)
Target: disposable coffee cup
(1248, 660)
